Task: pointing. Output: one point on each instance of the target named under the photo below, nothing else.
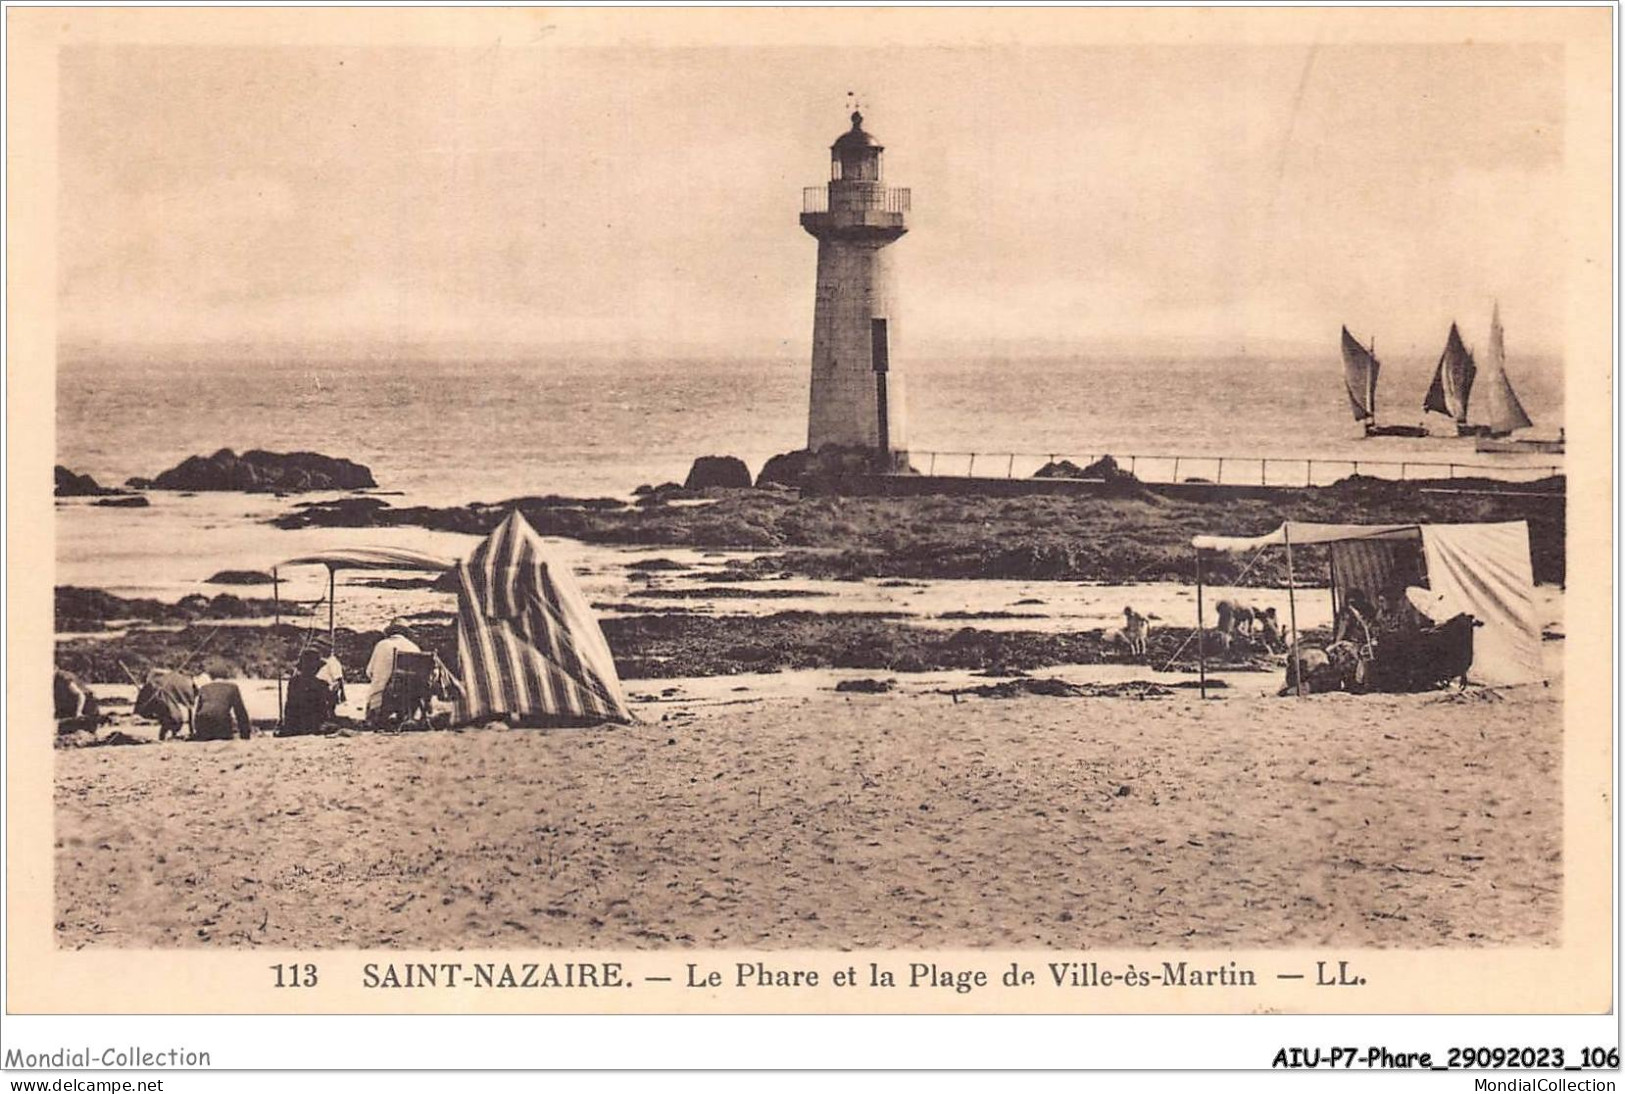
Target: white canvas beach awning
(1302, 533)
(373, 558)
(1483, 570)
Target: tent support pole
(331, 582)
(1201, 632)
(1292, 610)
(1331, 557)
(276, 599)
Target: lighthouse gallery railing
(882, 199)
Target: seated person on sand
(1338, 667)
(166, 697)
(1395, 630)
(397, 640)
(1354, 620)
(311, 697)
(219, 704)
(76, 706)
(1344, 665)
(331, 673)
(1269, 631)
(1395, 617)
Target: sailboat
(1360, 371)
(1506, 412)
(1452, 385)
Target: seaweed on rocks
(644, 565)
(1020, 686)
(82, 609)
(1135, 536)
(866, 686)
(646, 645)
(242, 652)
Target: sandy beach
(837, 821)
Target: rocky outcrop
(1059, 469)
(1104, 469)
(729, 472)
(71, 485)
(660, 495)
(802, 469)
(241, 577)
(257, 470)
(1107, 468)
(785, 469)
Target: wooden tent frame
(334, 561)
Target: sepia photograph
(543, 495)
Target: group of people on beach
(1242, 629)
(200, 708)
(1400, 641)
(1246, 625)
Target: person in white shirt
(397, 639)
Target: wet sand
(833, 821)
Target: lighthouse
(857, 391)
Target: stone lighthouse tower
(857, 392)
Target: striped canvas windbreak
(527, 641)
(1376, 566)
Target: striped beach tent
(528, 644)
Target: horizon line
(1173, 347)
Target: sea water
(445, 431)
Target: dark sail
(1360, 369)
(1452, 381)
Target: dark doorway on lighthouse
(878, 354)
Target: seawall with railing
(1253, 471)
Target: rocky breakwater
(260, 471)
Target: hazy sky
(1162, 196)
